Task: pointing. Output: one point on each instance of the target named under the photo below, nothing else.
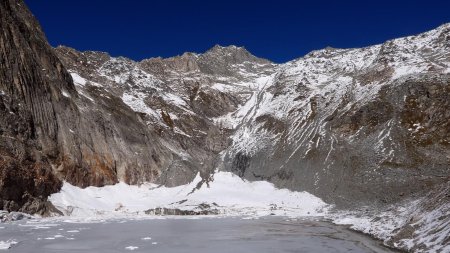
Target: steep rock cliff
(50, 133)
(32, 82)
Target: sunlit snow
(227, 193)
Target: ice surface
(263, 235)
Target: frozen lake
(270, 234)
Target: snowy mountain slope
(360, 123)
(414, 225)
(357, 127)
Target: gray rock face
(392, 146)
(177, 101)
(31, 83)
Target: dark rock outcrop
(201, 210)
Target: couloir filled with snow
(226, 193)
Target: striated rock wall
(48, 133)
(32, 80)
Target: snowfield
(226, 193)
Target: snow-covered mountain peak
(227, 49)
(232, 55)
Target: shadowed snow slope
(226, 193)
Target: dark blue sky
(279, 30)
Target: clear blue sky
(278, 30)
